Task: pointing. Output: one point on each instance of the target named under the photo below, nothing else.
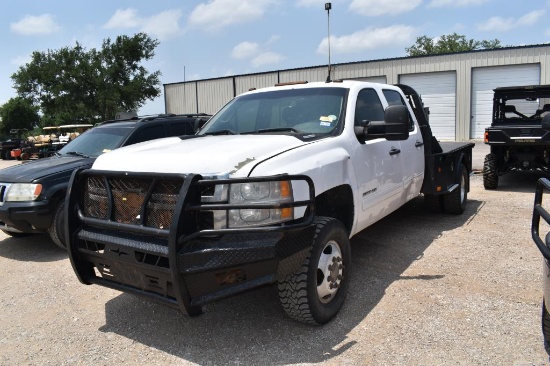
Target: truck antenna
(328, 6)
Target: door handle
(418, 144)
(395, 151)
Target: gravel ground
(427, 289)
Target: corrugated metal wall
(180, 98)
(245, 83)
(214, 93)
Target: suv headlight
(266, 193)
(23, 192)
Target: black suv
(32, 194)
(516, 136)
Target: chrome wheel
(329, 272)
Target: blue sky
(215, 38)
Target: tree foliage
(72, 84)
(18, 113)
(449, 44)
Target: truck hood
(37, 169)
(206, 155)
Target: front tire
(56, 230)
(490, 172)
(455, 202)
(317, 291)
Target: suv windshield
(313, 111)
(96, 141)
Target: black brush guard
(538, 212)
(179, 261)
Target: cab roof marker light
(292, 83)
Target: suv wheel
(56, 228)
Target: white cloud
(123, 18)
(35, 25)
(267, 58)
(163, 25)
(245, 50)
(368, 39)
(505, 24)
(273, 39)
(382, 7)
(259, 55)
(218, 14)
(531, 18)
(455, 3)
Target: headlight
(260, 193)
(23, 192)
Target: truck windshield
(316, 111)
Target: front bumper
(25, 217)
(185, 265)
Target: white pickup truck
(269, 191)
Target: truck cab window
(368, 107)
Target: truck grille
(136, 201)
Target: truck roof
(321, 84)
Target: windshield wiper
(77, 153)
(277, 129)
(221, 132)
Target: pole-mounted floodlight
(328, 6)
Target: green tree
(72, 84)
(449, 44)
(18, 113)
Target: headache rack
(151, 234)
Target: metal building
(457, 87)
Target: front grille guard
(183, 229)
(543, 185)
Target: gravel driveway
(427, 289)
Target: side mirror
(394, 127)
(199, 123)
(396, 119)
(546, 122)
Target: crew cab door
(412, 148)
(377, 164)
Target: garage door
(485, 79)
(438, 91)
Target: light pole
(328, 6)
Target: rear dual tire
(453, 202)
